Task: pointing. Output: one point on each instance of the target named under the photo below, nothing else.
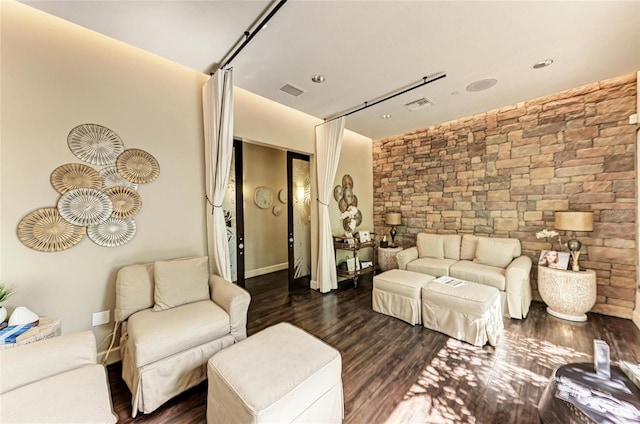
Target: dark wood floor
(396, 373)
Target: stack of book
(10, 333)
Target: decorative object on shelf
(22, 316)
(568, 294)
(393, 219)
(263, 197)
(554, 259)
(126, 201)
(364, 236)
(111, 178)
(95, 144)
(574, 221)
(85, 206)
(277, 210)
(137, 166)
(46, 231)
(113, 232)
(384, 242)
(282, 196)
(549, 234)
(74, 175)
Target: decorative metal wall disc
(45, 230)
(85, 206)
(112, 232)
(111, 178)
(337, 192)
(347, 181)
(126, 201)
(74, 175)
(95, 144)
(138, 166)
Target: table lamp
(393, 219)
(574, 221)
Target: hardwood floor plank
(396, 373)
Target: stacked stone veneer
(504, 173)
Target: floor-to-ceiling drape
(328, 146)
(217, 99)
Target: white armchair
(174, 318)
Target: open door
(234, 215)
(299, 219)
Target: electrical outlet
(100, 318)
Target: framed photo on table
(364, 236)
(554, 259)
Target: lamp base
(393, 233)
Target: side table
(568, 294)
(387, 257)
(47, 328)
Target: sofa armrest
(405, 256)
(517, 286)
(235, 301)
(29, 363)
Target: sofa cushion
(77, 396)
(479, 273)
(157, 335)
(435, 267)
(134, 290)
(468, 247)
(430, 245)
(452, 246)
(180, 281)
(495, 252)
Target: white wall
(54, 76)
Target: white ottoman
(472, 312)
(397, 293)
(280, 375)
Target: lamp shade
(393, 219)
(574, 221)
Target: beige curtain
(328, 147)
(217, 99)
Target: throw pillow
(468, 248)
(134, 290)
(180, 281)
(498, 253)
(430, 246)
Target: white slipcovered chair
(174, 317)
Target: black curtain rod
(249, 35)
(425, 81)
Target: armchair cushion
(158, 335)
(479, 273)
(436, 267)
(178, 282)
(134, 290)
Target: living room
(493, 173)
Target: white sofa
(55, 381)
(174, 316)
(491, 261)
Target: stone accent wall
(505, 172)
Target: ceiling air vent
(292, 89)
(418, 104)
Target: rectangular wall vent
(292, 89)
(418, 104)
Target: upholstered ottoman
(397, 293)
(471, 312)
(280, 375)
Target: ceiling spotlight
(318, 79)
(481, 85)
(385, 116)
(543, 63)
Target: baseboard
(266, 270)
(314, 285)
(114, 356)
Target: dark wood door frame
(237, 146)
(290, 239)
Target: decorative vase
(3, 314)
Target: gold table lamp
(574, 221)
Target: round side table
(387, 257)
(568, 294)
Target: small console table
(568, 294)
(354, 246)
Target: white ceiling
(370, 49)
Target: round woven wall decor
(74, 175)
(111, 178)
(95, 144)
(137, 166)
(126, 201)
(113, 232)
(85, 206)
(46, 231)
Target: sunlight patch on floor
(483, 375)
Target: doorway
(299, 220)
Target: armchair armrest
(29, 363)
(518, 288)
(405, 256)
(235, 301)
